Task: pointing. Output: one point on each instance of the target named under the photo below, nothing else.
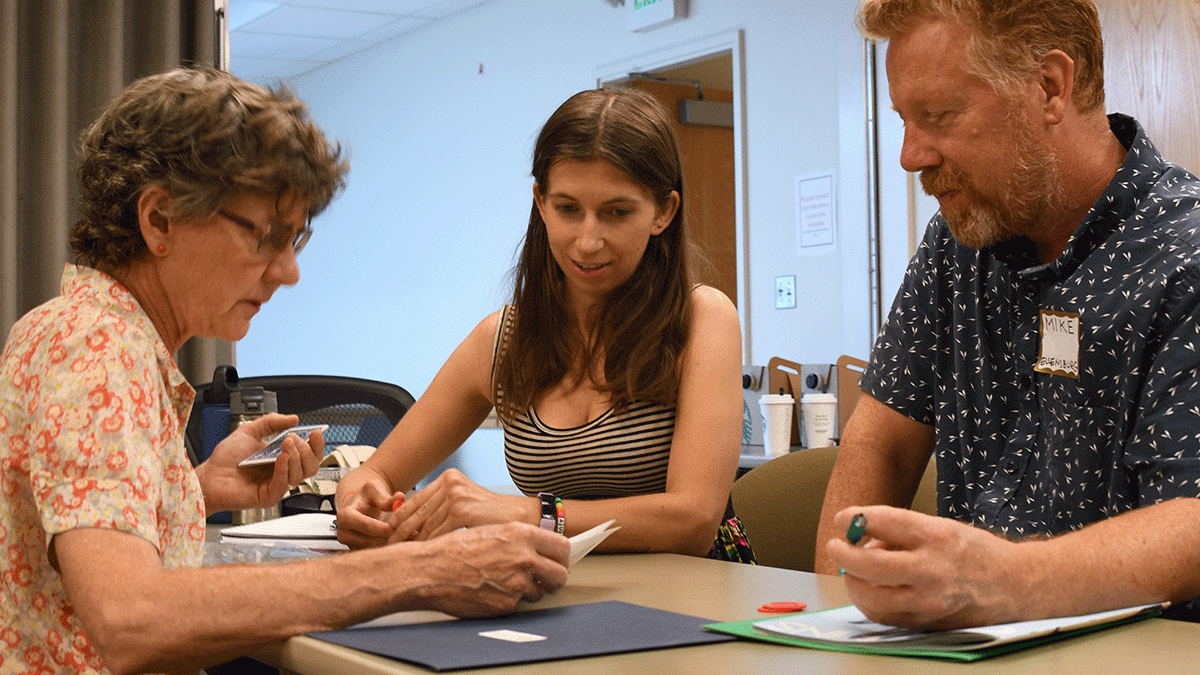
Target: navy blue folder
(592, 629)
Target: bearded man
(1044, 346)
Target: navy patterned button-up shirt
(1024, 451)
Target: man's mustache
(938, 181)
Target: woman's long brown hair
(641, 328)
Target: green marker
(854, 534)
(858, 527)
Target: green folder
(746, 630)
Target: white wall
(418, 248)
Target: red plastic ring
(779, 607)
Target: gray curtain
(61, 61)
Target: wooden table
(729, 592)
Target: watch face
(549, 516)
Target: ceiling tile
(396, 28)
(380, 6)
(317, 22)
(242, 12)
(244, 43)
(273, 40)
(441, 10)
(341, 49)
(266, 71)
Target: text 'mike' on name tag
(1060, 344)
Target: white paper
(305, 530)
(512, 636)
(310, 527)
(297, 526)
(847, 625)
(584, 542)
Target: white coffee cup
(820, 411)
(777, 423)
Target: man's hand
(229, 486)
(918, 571)
(487, 571)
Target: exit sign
(641, 15)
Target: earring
(162, 249)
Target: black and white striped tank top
(610, 456)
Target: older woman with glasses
(197, 192)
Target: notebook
(307, 530)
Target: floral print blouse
(92, 419)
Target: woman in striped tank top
(617, 377)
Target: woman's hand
(453, 501)
(360, 519)
(228, 486)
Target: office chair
(358, 411)
(848, 371)
(779, 503)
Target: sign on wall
(643, 15)
(816, 215)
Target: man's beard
(1034, 184)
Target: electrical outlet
(785, 292)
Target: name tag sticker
(511, 635)
(1060, 344)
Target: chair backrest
(925, 500)
(779, 503)
(848, 371)
(358, 411)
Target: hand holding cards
(275, 444)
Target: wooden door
(1152, 71)
(707, 156)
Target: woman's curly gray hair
(205, 136)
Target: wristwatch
(549, 512)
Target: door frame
(730, 42)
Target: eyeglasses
(307, 502)
(271, 242)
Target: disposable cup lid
(776, 398)
(819, 398)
